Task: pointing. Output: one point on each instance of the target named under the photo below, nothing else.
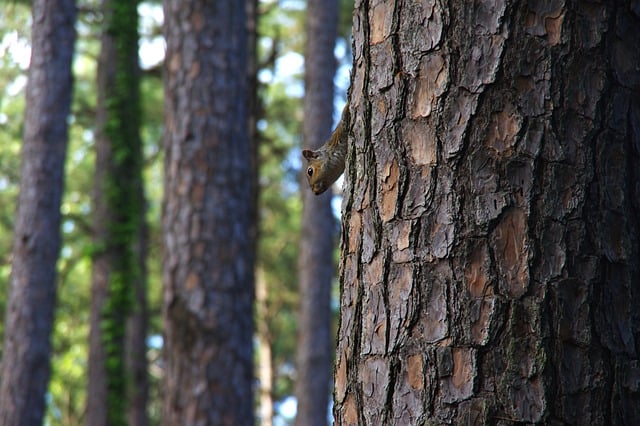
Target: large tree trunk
(315, 349)
(491, 259)
(27, 347)
(207, 217)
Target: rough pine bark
(490, 269)
(317, 242)
(36, 244)
(207, 217)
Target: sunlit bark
(490, 250)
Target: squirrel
(326, 164)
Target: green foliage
(69, 370)
(121, 192)
(67, 389)
(279, 203)
(281, 44)
(280, 206)
(345, 20)
(14, 36)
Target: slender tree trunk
(27, 347)
(138, 325)
(264, 359)
(207, 217)
(264, 348)
(265, 356)
(491, 259)
(313, 373)
(117, 362)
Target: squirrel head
(327, 163)
(322, 170)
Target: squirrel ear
(309, 155)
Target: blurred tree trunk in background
(264, 358)
(117, 362)
(265, 354)
(138, 323)
(491, 250)
(208, 217)
(316, 265)
(29, 320)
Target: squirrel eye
(310, 171)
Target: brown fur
(326, 164)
